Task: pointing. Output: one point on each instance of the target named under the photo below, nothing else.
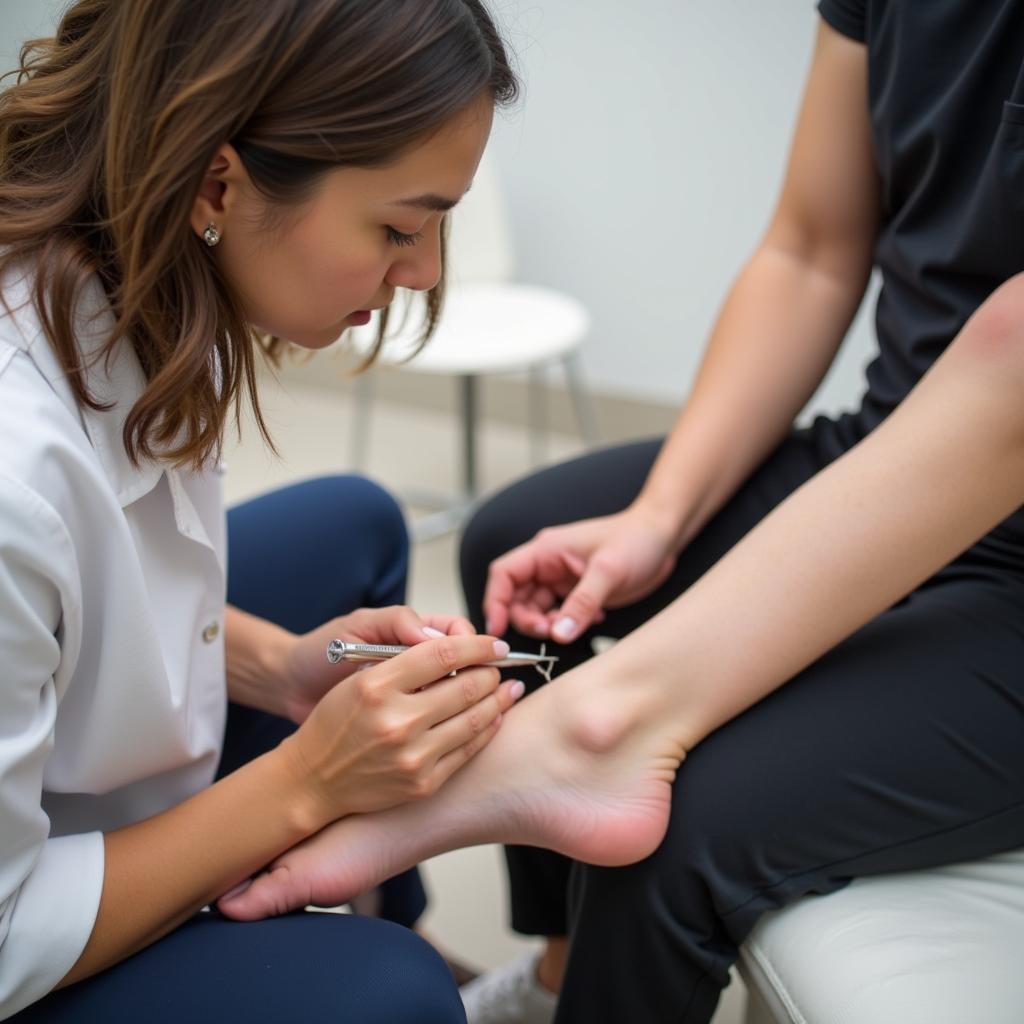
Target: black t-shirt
(946, 97)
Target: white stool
(490, 325)
(488, 329)
(942, 946)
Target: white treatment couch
(942, 946)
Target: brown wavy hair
(111, 125)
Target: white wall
(644, 164)
(21, 20)
(641, 167)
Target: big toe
(275, 892)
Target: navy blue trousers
(299, 557)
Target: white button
(211, 632)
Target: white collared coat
(112, 682)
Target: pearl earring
(211, 236)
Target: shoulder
(20, 326)
(34, 540)
(36, 425)
(44, 448)
(43, 474)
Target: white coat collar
(117, 382)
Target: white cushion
(942, 946)
(486, 328)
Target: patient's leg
(585, 766)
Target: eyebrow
(432, 202)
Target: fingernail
(489, 627)
(501, 649)
(517, 689)
(565, 628)
(431, 632)
(238, 890)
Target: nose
(418, 268)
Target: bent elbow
(995, 333)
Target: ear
(224, 183)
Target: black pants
(902, 748)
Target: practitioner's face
(321, 267)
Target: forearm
(161, 871)
(944, 469)
(774, 341)
(790, 309)
(255, 654)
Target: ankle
(611, 697)
(595, 714)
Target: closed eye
(398, 238)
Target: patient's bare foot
(576, 768)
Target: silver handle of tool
(342, 650)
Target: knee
(375, 508)
(557, 494)
(485, 538)
(355, 539)
(366, 511)
(410, 980)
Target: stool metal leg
(582, 402)
(537, 407)
(468, 389)
(363, 388)
(453, 513)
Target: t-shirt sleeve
(49, 887)
(846, 16)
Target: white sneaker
(509, 995)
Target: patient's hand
(558, 584)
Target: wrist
(667, 516)
(306, 809)
(259, 655)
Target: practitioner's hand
(308, 675)
(559, 583)
(395, 732)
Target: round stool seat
(487, 328)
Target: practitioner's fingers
(463, 692)
(473, 716)
(472, 741)
(397, 624)
(435, 659)
(448, 625)
(469, 731)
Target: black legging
(901, 748)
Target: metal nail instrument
(341, 650)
